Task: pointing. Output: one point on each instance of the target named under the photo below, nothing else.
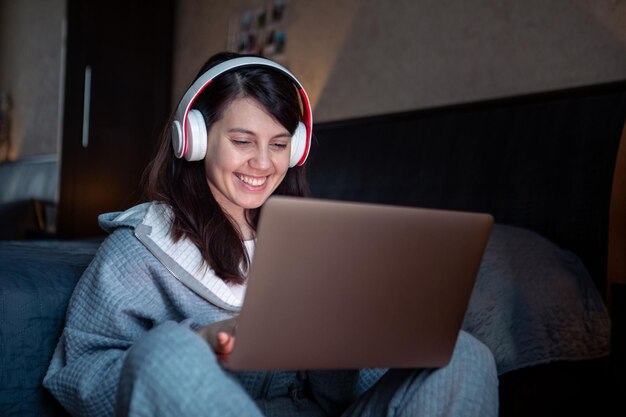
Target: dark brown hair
(183, 184)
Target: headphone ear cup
(196, 136)
(177, 139)
(298, 145)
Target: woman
(136, 342)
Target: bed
(549, 298)
(549, 168)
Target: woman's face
(247, 156)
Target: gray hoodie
(136, 309)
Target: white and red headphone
(189, 131)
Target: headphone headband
(180, 124)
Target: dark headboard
(544, 162)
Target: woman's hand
(220, 336)
(224, 345)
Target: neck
(240, 223)
(246, 231)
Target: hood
(132, 217)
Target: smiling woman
(137, 339)
(237, 114)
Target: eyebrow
(249, 132)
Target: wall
(31, 64)
(356, 57)
(366, 57)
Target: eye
(279, 145)
(240, 142)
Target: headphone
(189, 131)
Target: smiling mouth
(252, 181)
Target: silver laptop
(341, 285)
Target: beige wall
(356, 57)
(366, 57)
(316, 32)
(31, 41)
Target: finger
(222, 338)
(226, 343)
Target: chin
(250, 205)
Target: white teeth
(255, 182)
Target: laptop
(345, 285)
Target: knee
(169, 352)
(468, 348)
(165, 368)
(474, 358)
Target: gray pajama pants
(192, 383)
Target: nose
(261, 159)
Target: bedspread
(534, 303)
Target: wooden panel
(540, 162)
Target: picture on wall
(260, 31)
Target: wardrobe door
(116, 103)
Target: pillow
(534, 303)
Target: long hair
(183, 184)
